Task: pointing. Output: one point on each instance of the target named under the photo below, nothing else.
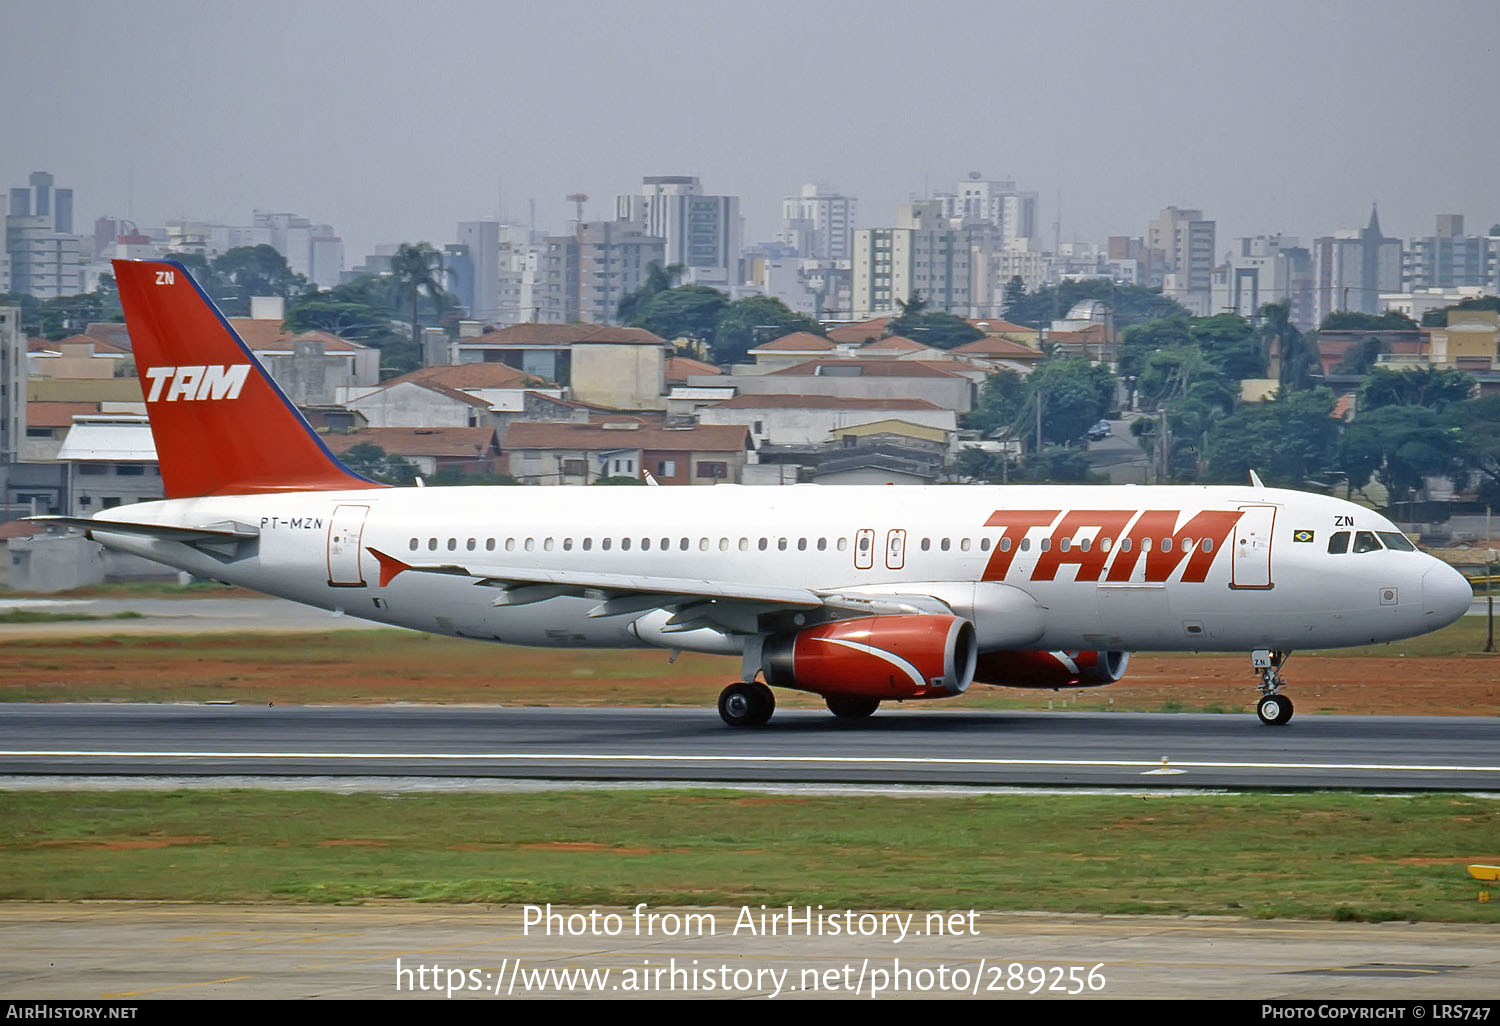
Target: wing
(734, 607)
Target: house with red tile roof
(619, 446)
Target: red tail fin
(221, 425)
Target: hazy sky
(392, 121)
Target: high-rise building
(819, 223)
(46, 259)
(1266, 269)
(1182, 243)
(920, 255)
(583, 277)
(1446, 259)
(312, 250)
(993, 201)
(1352, 267)
(702, 233)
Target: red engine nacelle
(917, 656)
(1051, 669)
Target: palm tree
(418, 269)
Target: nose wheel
(746, 704)
(1274, 708)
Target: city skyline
(391, 129)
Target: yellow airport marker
(1488, 874)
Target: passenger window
(530, 544)
(683, 545)
(472, 544)
(1065, 544)
(744, 544)
(864, 543)
(1025, 544)
(645, 544)
(1365, 541)
(781, 544)
(489, 545)
(843, 544)
(1004, 544)
(1126, 544)
(943, 545)
(926, 544)
(1166, 544)
(1046, 544)
(510, 545)
(801, 544)
(588, 543)
(723, 544)
(984, 545)
(567, 544)
(1396, 540)
(604, 543)
(625, 544)
(1338, 543)
(547, 544)
(1208, 544)
(1086, 544)
(452, 544)
(414, 545)
(432, 544)
(666, 544)
(762, 544)
(964, 544)
(822, 544)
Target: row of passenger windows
(625, 544)
(1368, 541)
(800, 544)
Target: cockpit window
(1338, 543)
(1365, 541)
(1396, 540)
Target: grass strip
(39, 616)
(1318, 856)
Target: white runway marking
(814, 760)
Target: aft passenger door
(344, 534)
(895, 549)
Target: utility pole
(1489, 581)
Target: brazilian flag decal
(1302, 536)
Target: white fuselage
(1270, 582)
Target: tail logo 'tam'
(214, 381)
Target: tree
(1129, 304)
(1295, 356)
(1432, 387)
(1073, 394)
(354, 321)
(1478, 424)
(1402, 446)
(1141, 340)
(658, 279)
(370, 460)
(933, 328)
(1014, 298)
(245, 271)
(753, 321)
(1353, 320)
(690, 311)
(1002, 399)
(1230, 344)
(1362, 356)
(418, 270)
(1291, 441)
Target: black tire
(847, 707)
(746, 705)
(1274, 710)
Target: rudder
(221, 425)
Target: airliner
(861, 595)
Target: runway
(895, 747)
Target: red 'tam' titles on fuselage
(1124, 538)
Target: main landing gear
(746, 704)
(1274, 708)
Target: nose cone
(1445, 594)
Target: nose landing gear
(1274, 708)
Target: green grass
(37, 616)
(1320, 856)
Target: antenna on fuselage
(1255, 480)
